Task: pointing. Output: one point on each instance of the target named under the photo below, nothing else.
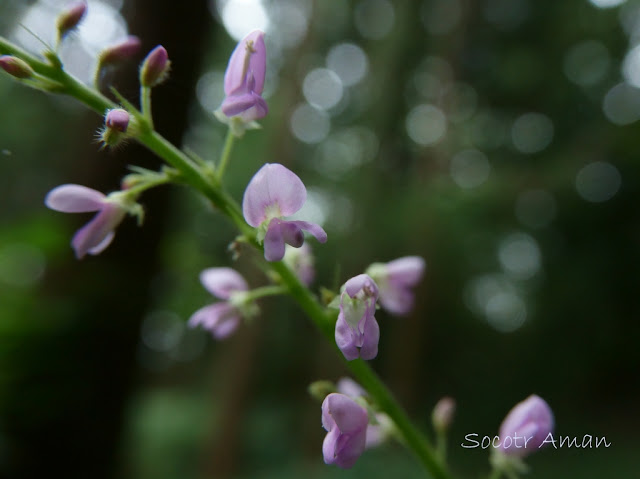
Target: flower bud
(531, 420)
(16, 67)
(120, 52)
(155, 67)
(117, 119)
(71, 17)
(321, 389)
(442, 414)
(118, 125)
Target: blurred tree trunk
(70, 382)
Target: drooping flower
(346, 424)
(275, 192)
(395, 280)
(221, 318)
(357, 331)
(378, 431)
(531, 420)
(244, 79)
(98, 233)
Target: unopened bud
(155, 67)
(117, 119)
(442, 414)
(71, 17)
(16, 67)
(120, 52)
(118, 126)
(321, 389)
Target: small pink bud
(71, 17)
(155, 67)
(117, 119)
(120, 52)
(16, 67)
(442, 414)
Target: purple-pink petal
(222, 282)
(249, 106)
(531, 418)
(221, 319)
(100, 247)
(275, 191)
(346, 423)
(362, 282)
(407, 271)
(346, 340)
(370, 338)
(316, 230)
(74, 199)
(93, 236)
(396, 300)
(350, 388)
(240, 67)
(274, 242)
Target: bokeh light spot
(621, 104)
(586, 63)
(598, 181)
(322, 88)
(426, 124)
(532, 132)
(374, 19)
(469, 168)
(519, 255)
(309, 124)
(535, 208)
(349, 62)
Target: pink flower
(357, 331)
(275, 192)
(244, 79)
(395, 280)
(98, 233)
(346, 424)
(222, 318)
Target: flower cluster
(353, 421)
(222, 318)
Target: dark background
(531, 284)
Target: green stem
(367, 378)
(265, 291)
(226, 153)
(441, 444)
(193, 175)
(145, 104)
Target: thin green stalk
(145, 104)
(226, 153)
(210, 188)
(264, 291)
